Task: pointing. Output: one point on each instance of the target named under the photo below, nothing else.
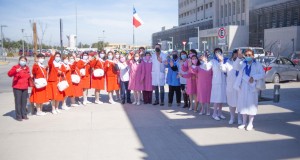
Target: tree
(100, 45)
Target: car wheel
(276, 78)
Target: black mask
(175, 56)
(157, 49)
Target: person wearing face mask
(183, 70)
(230, 79)
(204, 84)
(158, 74)
(250, 71)
(136, 81)
(69, 92)
(124, 79)
(142, 52)
(111, 73)
(56, 74)
(173, 79)
(20, 84)
(78, 91)
(116, 60)
(97, 82)
(147, 77)
(39, 95)
(85, 81)
(191, 87)
(218, 91)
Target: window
(233, 8)
(243, 22)
(238, 7)
(210, 4)
(243, 6)
(221, 11)
(225, 10)
(206, 6)
(286, 61)
(238, 23)
(201, 8)
(229, 9)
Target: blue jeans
(125, 93)
(162, 94)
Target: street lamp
(198, 38)
(172, 42)
(190, 44)
(2, 38)
(23, 41)
(293, 40)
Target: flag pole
(133, 32)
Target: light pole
(22, 41)
(293, 40)
(172, 42)
(204, 43)
(169, 43)
(198, 38)
(190, 45)
(2, 39)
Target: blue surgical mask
(248, 59)
(110, 57)
(183, 56)
(57, 59)
(22, 63)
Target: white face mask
(66, 61)
(85, 57)
(117, 56)
(102, 55)
(72, 60)
(41, 60)
(136, 58)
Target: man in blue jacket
(173, 79)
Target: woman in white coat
(250, 72)
(218, 90)
(158, 75)
(231, 93)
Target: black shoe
(123, 102)
(170, 105)
(162, 104)
(129, 102)
(185, 106)
(19, 119)
(155, 103)
(26, 118)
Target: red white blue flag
(136, 19)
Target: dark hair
(198, 62)
(40, 55)
(157, 44)
(83, 53)
(218, 49)
(142, 48)
(147, 53)
(249, 50)
(23, 57)
(57, 53)
(193, 51)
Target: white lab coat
(247, 93)
(158, 70)
(231, 94)
(218, 89)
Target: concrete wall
(284, 36)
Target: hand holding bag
(62, 85)
(75, 78)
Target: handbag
(75, 78)
(62, 85)
(98, 73)
(82, 71)
(260, 84)
(40, 82)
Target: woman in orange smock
(69, 92)
(97, 82)
(85, 72)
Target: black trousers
(147, 95)
(162, 93)
(177, 90)
(21, 96)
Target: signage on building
(222, 36)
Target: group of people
(195, 78)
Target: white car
(258, 51)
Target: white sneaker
(88, 102)
(54, 112)
(216, 118)
(134, 103)
(222, 117)
(84, 103)
(190, 108)
(58, 111)
(41, 113)
(75, 105)
(65, 108)
(208, 113)
(201, 113)
(231, 121)
(242, 126)
(112, 102)
(138, 103)
(98, 102)
(249, 127)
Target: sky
(114, 17)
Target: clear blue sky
(94, 16)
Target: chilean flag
(136, 19)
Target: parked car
(26, 52)
(295, 57)
(279, 69)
